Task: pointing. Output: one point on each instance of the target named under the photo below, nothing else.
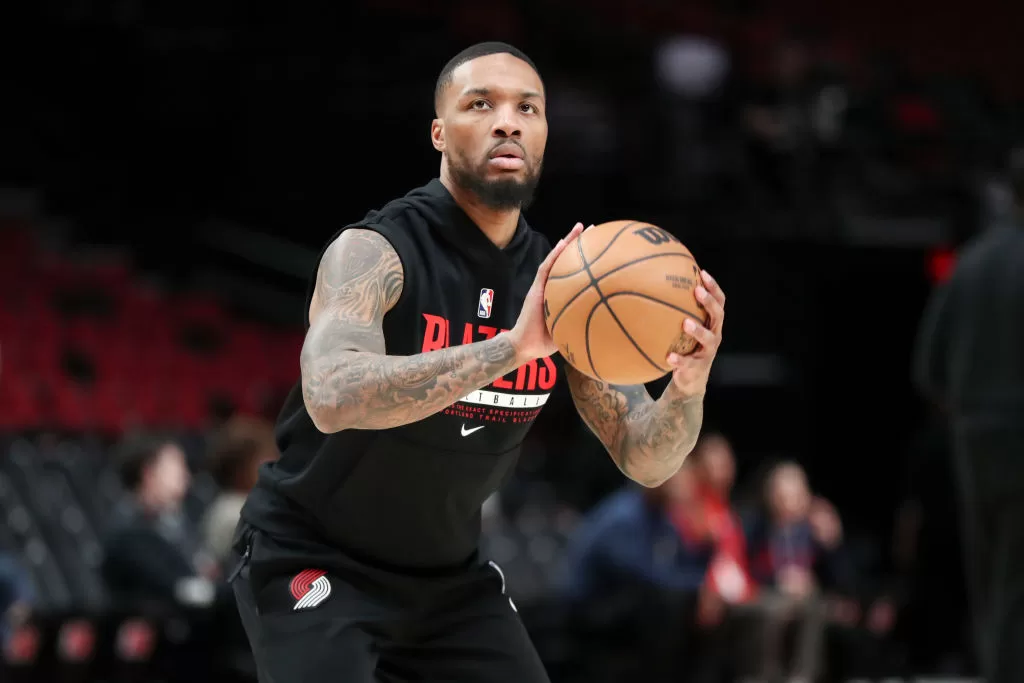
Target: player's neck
(499, 226)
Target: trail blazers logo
(310, 588)
(515, 398)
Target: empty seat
(23, 533)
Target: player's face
(493, 130)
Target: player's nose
(506, 124)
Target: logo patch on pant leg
(310, 588)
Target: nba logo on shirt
(483, 309)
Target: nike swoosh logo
(467, 432)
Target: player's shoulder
(358, 242)
(414, 207)
(397, 223)
(399, 211)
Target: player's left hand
(690, 373)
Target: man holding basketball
(425, 362)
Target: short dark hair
(136, 453)
(472, 52)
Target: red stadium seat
(190, 410)
(73, 407)
(19, 403)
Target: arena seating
(87, 346)
(89, 350)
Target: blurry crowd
(690, 581)
(706, 589)
(153, 552)
(161, 555)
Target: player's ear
(437, 134)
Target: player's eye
(528, 108)
(479, 104)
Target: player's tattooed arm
(348, 381)
(647, 439)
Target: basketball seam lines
(604, 300)
(594, 281)
(601, 253)
(658, 301)
(586, 329)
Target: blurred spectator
(793, 558)
(636, 564)
(634, 536)
(728, 578)
(236, 451)
(969, 361)
(16, 594)
(727, 583)
(151, 552)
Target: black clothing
(388, 521)
(410, 496)
(970, 360)
(456, 625)
(146, 556)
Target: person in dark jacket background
(634, 570)
(969, 362)
(151, 551)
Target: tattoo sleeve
(348, 381)
(647, 439)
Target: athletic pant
(990, 473)
(311, 618)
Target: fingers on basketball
(715, 311)
(711, 284)
(545, 266)
(707, 339)
(616, 301)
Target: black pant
(310, 618)
(990, 469)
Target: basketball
(616, 299)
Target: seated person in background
(236, 451)
(633, 538)
(727, 581)
(635, 566)
(151, 553)
(798, 533)
(793, 550)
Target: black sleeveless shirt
(410, 497)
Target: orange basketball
(616, 300)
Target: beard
(500, 194)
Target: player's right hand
(530, 334)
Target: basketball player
(425, 361)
